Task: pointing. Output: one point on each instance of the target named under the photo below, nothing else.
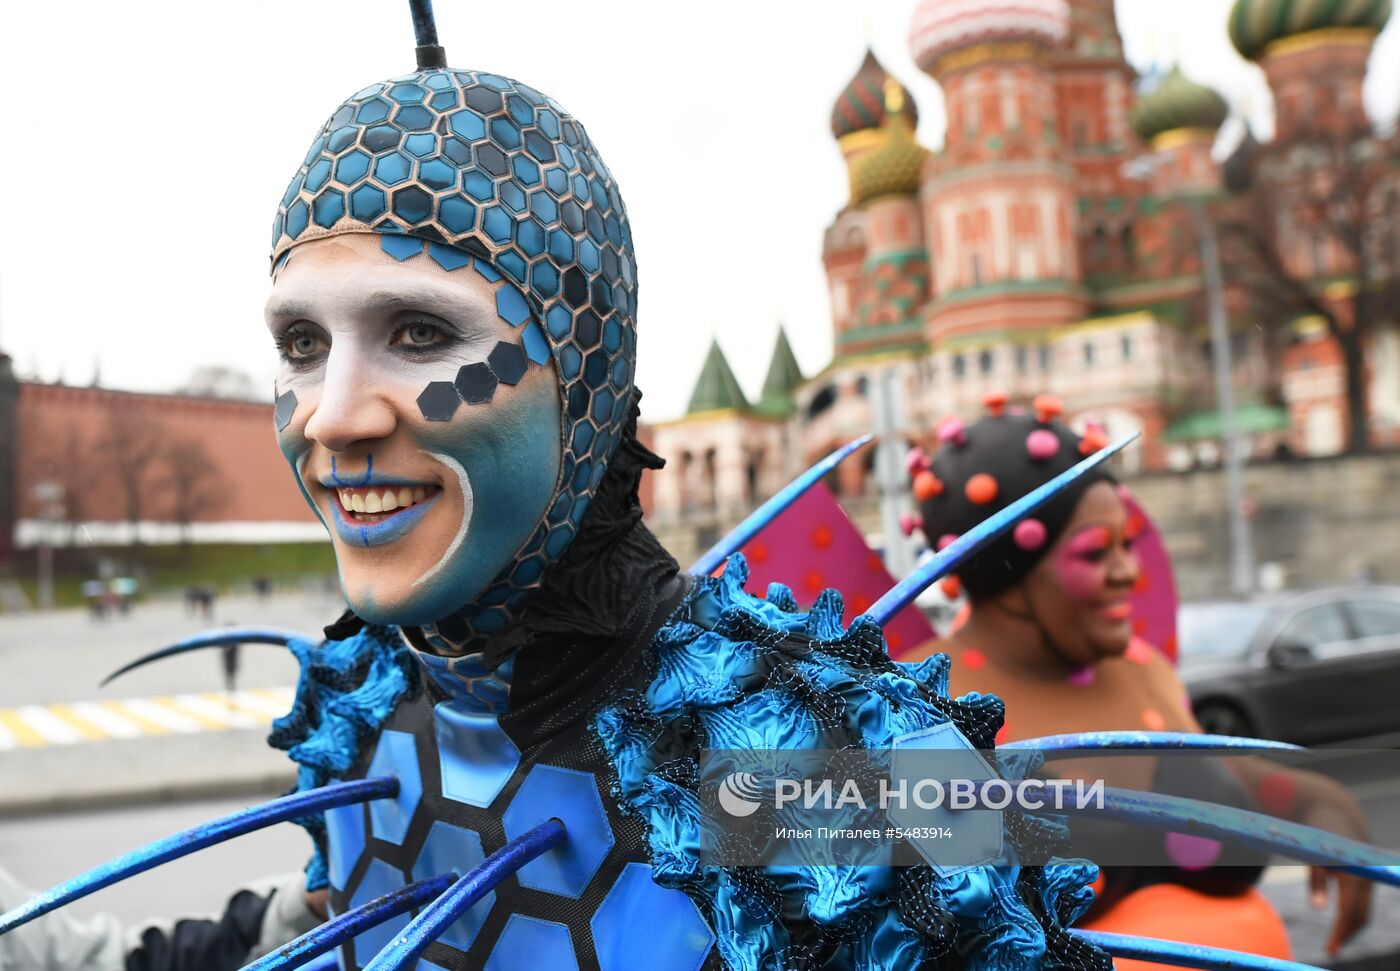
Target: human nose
(351, 409)
(1123, 567)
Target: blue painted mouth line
(336, 480)
(393, 526)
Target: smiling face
(1079, 593)
(423, 426)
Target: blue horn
(352, 923)
(215, 638)
(196, 838)
(404, 949)
(1129, 742)
(772, 509)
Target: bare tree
(191, 484)
(66, 459)
(129, 447)
(1313, 232)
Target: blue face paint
(507, 454)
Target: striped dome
(861, 106)
(941, 27)
(1255, 24)
(1178, 102)
(894, 166)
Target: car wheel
(1220, 718)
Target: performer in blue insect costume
(501, 736)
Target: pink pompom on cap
(1042, 444)
(946, 540)
(1029, 534)
(951, 431)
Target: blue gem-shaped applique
(507, 362)
(571, 796)
(477, 757)
(528, 942)
(395, 755)
(636, 903)
(475, 383)
(439, 400)
(511, 305)
(451, 849)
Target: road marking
(111, 723)
(68, 716)
(54, 730)
(82, 722)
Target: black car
(1314, 667)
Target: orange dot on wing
(813, 581)
(821, 537)
(1141, 583)
(894, 641)
(1152, 719)
(860, 603)
(1139, 651)
(1139, 626)
(981, 489)
(1004, 733)
(973, 659)
(757, 553)
(874, 562)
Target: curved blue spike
(897, 597)
(404, 949)
(1176, 814)
(770, 510)
(215, 638)
(196, 838)
(1186, 955)
(1129, 742)
(338, 930)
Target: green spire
(716, 388)
(783, 378)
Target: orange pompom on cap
(995, 402)
(981, 489)
(927, 485)
(1047, 407)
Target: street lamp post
(1241, 543)
(49, 496)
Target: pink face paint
(1080, 564)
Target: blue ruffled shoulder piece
(346, 690)
(730, 670)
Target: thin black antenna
(430, 53)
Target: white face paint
(423, 513)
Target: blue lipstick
(392, 527)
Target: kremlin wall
(1049, 247)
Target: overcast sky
(144, 146)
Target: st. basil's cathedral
(1049, 247)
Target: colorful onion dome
(1177, 102)
(893, 167)
(941, 27)
(1255, 24)
(861, 106)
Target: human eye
(421, 335)
(301, 345)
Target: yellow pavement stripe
(120, 708)
(83, 727)
(223, 698)
(20, 729)
(175, 708)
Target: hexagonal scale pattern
(636, 903)
(572, 796)
(395, 755)
(476, 757)
(345, 834)
(489, 166)
(527, 942)
(452, 849)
